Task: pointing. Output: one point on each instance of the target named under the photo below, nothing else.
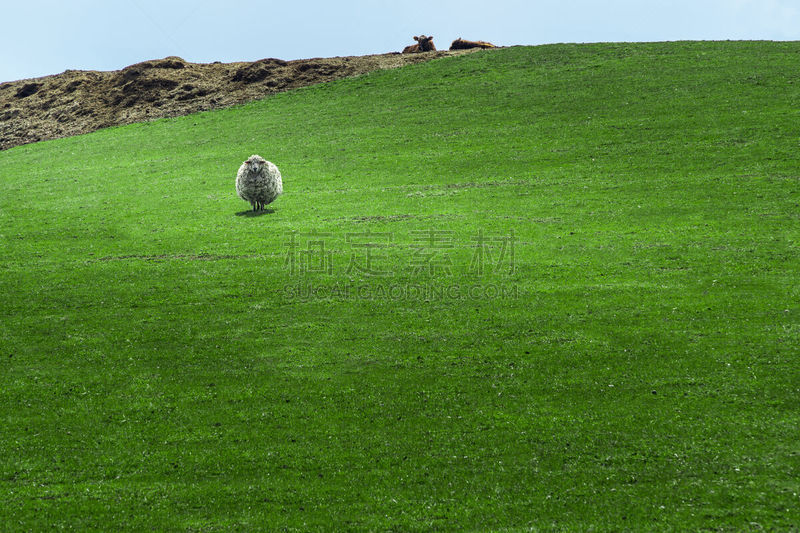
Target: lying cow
(424, 44)
(461, 44)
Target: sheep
(461, 44)
(424, 44)
(258, 182)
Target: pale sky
(41, 37)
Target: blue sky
(41, 37)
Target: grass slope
(165, 364)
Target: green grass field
(545, 288)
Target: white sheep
(258, 182)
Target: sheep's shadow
(251, 213)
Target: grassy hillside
(549, 288)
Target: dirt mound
(77, 102)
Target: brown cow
(461, 44)
(424, 44)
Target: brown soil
(78, 101)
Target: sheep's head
(425, 43)
(256, 163)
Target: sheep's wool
(258, 182)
